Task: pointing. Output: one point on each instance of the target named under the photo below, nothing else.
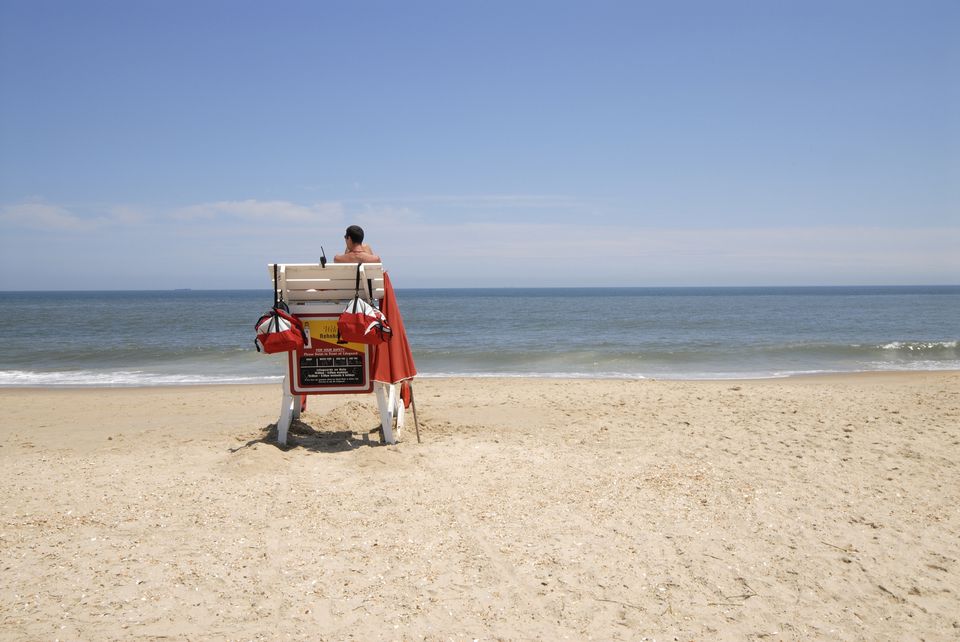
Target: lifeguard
(357, 251)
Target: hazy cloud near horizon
(226, 244)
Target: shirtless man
(357, 251)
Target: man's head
(354, 234)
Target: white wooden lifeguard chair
(317, 294)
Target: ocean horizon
(194, 337)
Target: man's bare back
(363, 254)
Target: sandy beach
(795, 509)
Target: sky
(188, 143)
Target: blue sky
(185, 143)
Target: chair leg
(386, 412)
(300, 407)
(399, 411)
(286, 413)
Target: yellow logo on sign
(326, 330)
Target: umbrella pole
(413, 407)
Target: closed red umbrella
(393, 360)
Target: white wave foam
(121, 378)
(918, 346)
(878, 366)
(919, 366)
(529, 375)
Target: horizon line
(518, 287)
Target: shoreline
(803, 508)
(823, 376)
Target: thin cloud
(470, 201)
(554, 254)
(47, 217)
(425, 252)
(240, 215)
(254, 211)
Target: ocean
(156, 338)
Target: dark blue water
(196, 337)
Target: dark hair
(355, 232)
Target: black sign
(332, 369)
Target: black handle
(275, 300)
(356, 294)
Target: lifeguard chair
(317, 294)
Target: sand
(808, 508)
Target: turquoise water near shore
(206, 337)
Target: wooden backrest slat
(335, 282)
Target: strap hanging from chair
(356, 293)
(278, 302)
(276, 286)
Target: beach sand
(805, 508)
